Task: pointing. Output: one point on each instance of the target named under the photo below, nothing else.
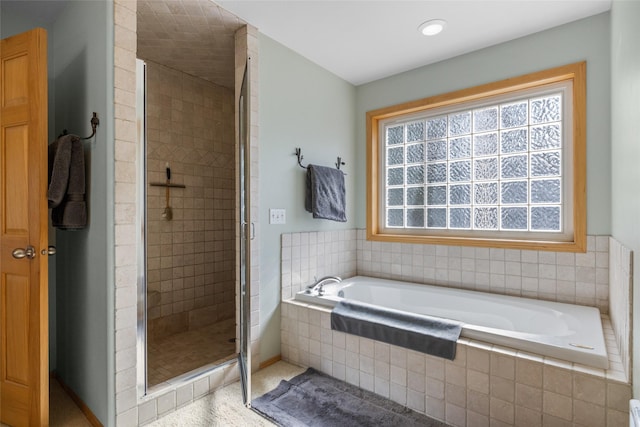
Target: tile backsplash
(316, 254)
(576, 278)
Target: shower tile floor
(180, 353)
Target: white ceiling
(358, 40)
(365, 40)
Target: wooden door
(24, 358)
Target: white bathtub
(563, 331)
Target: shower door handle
(252, 232)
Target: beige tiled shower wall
(620, 298)
(125, 149)
(190, 258)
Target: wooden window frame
(575, 72)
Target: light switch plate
(277, 216)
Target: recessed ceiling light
(432, 27)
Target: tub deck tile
(601, 373)
(559, 363)
(530, 356)
(519, 388)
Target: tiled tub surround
(190, 259)
(563, 331)
(621, 298)
(575, 278)
(315, 254)
(581, 278)
(485, 384)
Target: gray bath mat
(315, 399)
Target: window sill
(578, 245)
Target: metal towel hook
(300, 157)
(95, 121)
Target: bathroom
(323, 248)
(101, 366)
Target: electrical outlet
(277, 216)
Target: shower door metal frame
(141, 221)
(246, 235)
(142, 386)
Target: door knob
(28, 252)
(51, 250)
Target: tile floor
(225, 407)
(177, 354)
(222, 408)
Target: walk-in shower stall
(191, 203)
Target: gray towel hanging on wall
(67, 183)
(325, 195)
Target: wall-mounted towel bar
(298, 153)
(95, 121)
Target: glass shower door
(246, 235)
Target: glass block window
(493, 167)
(492, 163)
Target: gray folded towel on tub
(427, 334)
(67, 183)
(325, 196)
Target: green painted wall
(301, 105)
(587, 39)
(625, 150)
(83, 60)
(80, 67)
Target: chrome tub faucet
(318, 285)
